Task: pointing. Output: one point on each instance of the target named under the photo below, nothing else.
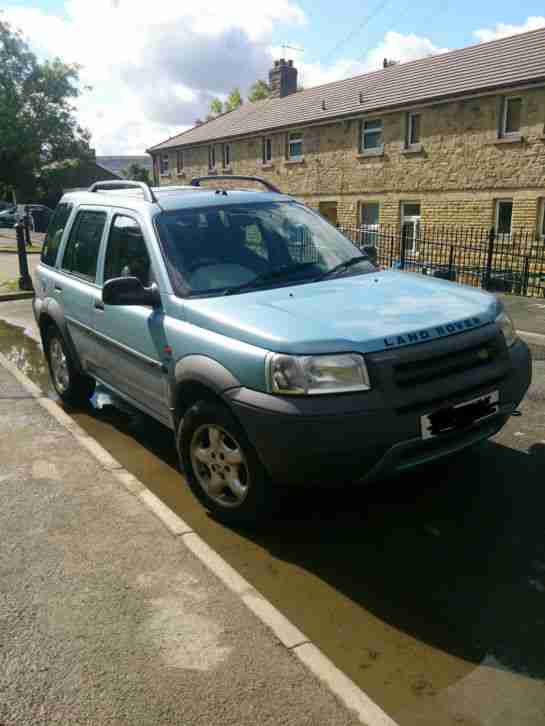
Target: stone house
(454, 139)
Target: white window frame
(506, 101)
(180, 158)
(497, 217)
(211, 156)
(365, 132)
(226, 156)
(267, 140)
(164, 169)
(297, 139)
(410, 123)
(415, 219)
(541, 230)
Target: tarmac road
(428, 591)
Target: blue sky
(154, 66)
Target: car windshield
(237, 248)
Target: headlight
(311, 374)
(507, 328)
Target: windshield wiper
(344, 266)
(270, 275)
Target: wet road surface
(428, 590)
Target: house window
(226, 155)
(512, 111)
(211, 156)
(504, 216)
(370, 212)
(371, 135)
(413, 129)
(295, 145)
(179, 162)
(267, 150)
(164, 165)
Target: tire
(238, 491)
(71, 386)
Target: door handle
(99, 305)
(57, 288)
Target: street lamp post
(25, 281)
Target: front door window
(410, 226)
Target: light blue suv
(272, 347)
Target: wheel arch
(198, 377)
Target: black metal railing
(511, 263)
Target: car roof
(172, 198)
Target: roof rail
(149, 196)
(196, 181)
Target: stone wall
(459, 173)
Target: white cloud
(154, 66)
(502, 30)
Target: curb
(15, 252)
(7, 296)
(346, 691)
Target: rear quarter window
(54, 233)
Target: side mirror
(130, 291)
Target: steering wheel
(202, 262)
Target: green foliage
(37, 122)
(234, 100)
(137, 172)
(259, 91)
(216, 107)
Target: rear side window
(54, 233)
(81, 253)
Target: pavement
(427, 591)
(107, 616)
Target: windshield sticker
(440, 331)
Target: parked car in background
(266, 341)
(40, 216)
(8, 217)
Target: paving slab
(106, 617)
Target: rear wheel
(70, 385)
(221, 466)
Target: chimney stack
(282, 78)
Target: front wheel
(71, 386)
(221, 466)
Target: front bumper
(340, 438)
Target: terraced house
(454, 139)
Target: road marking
(289, 635)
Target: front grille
(419, 372)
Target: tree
(216, 107)
(37, 121)
(259, 91)
(137, 172)
(234, 100)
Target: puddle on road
(408, 586)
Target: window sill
(511, 139)
(212, 172)
(366, 153)
(227, 170)
(181, 174)
(413, 149)
(291, 162)
(165, 176)
(267, 165)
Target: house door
(410, 226)
(329, 211)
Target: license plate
(459, 416)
